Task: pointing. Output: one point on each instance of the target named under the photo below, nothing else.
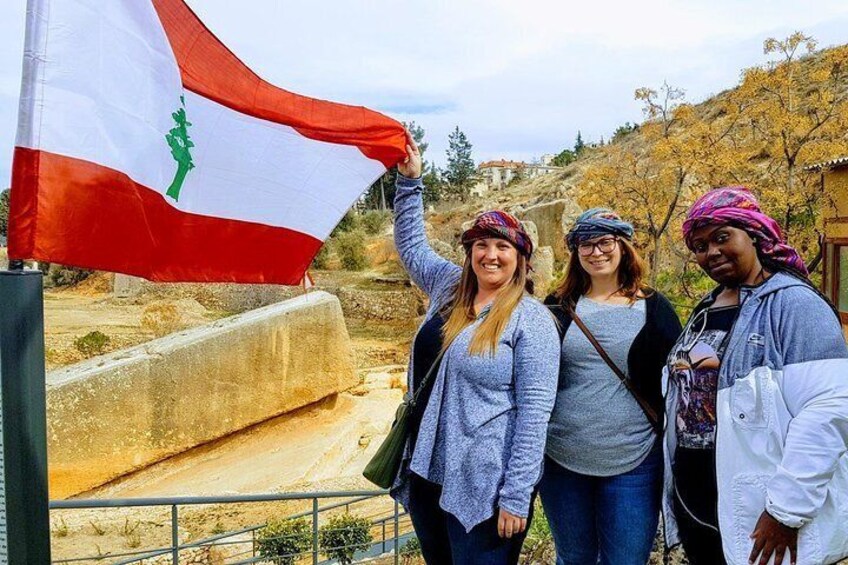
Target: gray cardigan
(491, 412)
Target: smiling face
(726, 254)
(600, 256)
(494, 262)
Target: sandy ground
(332, 439)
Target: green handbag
(383, 467)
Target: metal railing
(388, 540)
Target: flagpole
(24, 515)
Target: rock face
(543, 271)
(553, 220)
(123, 411)
(230, 297)
(382, 305)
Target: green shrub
(350, 247)
(344, 535)
(684, 288)
(411, 551)
(322, 258)
(60, 275)
(349, 222)
(374, 220)
(92, 343)
(282, 541)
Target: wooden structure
(834, 179)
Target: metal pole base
(24, 515)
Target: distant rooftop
(502, 163)
(837, 163)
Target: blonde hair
(460, 313)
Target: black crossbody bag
(650, 413)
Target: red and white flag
(146, 147)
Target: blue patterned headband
(595, 223)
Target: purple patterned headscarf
(504, 225)
(738, 207)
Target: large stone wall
(553, 220)
(116, 413)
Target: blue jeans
(606, 520)
(444, 540)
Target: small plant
(411, 551)
(60, 275)
(218, 528)
(343, 536)
(98, 529)
(129, 528)
(350, 247)
(92, 343)
(349, 222)
(60, 528)
(282, 541)
(322, 258)
(162, 319)
(374, 220)
(133, 540)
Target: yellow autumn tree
(798, 115)
(680, 152)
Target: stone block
(116, 413)
(126, 286)
(553, 220)
(543, 271)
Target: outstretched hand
(410, 167)
(772, 537)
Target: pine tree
(4, 212)
(579, 146)
(460, 167)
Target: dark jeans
(607, 520)
(695, 483)
(702, 544)
(444, 540)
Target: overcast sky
(519, 78)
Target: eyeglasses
(605, 245)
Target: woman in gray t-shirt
(603, 465)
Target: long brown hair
(631, 273)
(460, 313)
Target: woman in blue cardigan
(475, 455)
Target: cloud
(519, 78)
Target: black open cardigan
(650, 348)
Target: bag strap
(427, 378)
(650, 413)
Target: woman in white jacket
(756, 402)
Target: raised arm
(536, 371)
(430, 271)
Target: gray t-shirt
(597, 428)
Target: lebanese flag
(146, 147)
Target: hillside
(762, 133)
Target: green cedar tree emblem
(180, 144)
